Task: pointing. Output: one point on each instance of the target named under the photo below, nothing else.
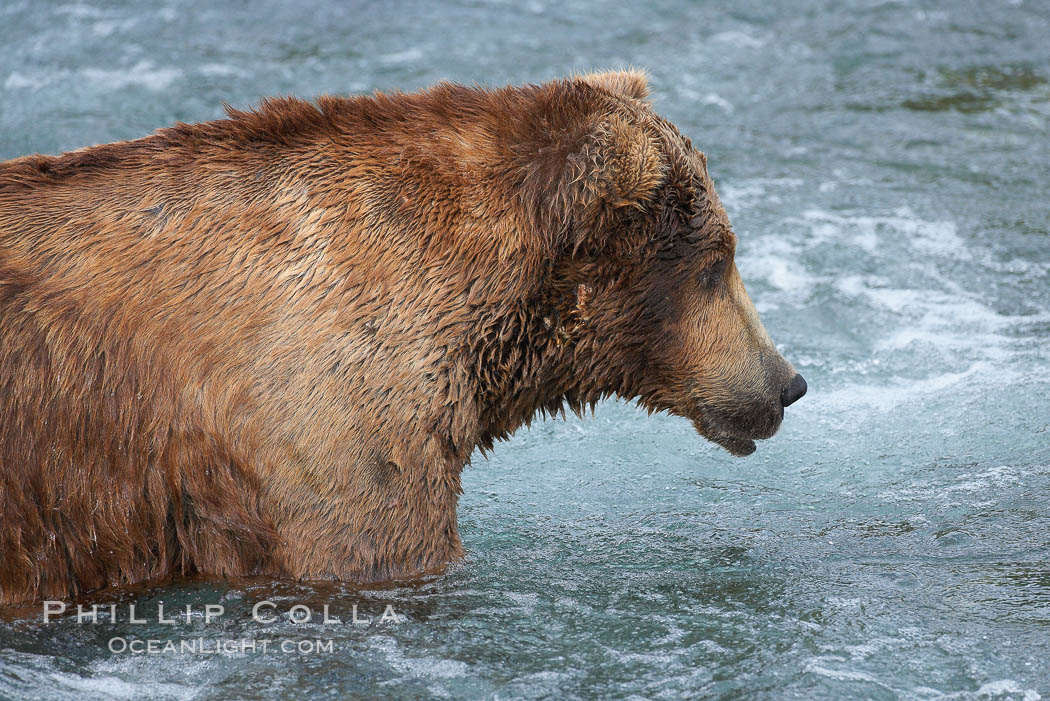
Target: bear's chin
(739, 447)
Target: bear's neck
(523, 363)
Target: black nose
(794, 391)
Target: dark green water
(886, 166)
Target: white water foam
(406, 56)
(739, 194)
(926, 307)
(886, 396)
(718, 101)
(740, 39)
(21, 81)
(79, 10)
(939, 238)
(219, 70)
(103, 28)
(116, 688)
(1003, 687)
(420, 667)
(143, 73)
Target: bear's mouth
(737, 437)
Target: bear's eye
(713, 273)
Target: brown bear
(268, 345)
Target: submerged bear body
(268, 345)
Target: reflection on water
(884, 165)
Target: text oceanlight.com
(207, 646)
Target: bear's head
(646, 300)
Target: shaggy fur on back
(269, 344)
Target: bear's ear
(620, 166)
(629, 83)
(587, 160)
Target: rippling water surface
(886, 166)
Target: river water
(886, 166)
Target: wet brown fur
(269, 344)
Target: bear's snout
(736, 413)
